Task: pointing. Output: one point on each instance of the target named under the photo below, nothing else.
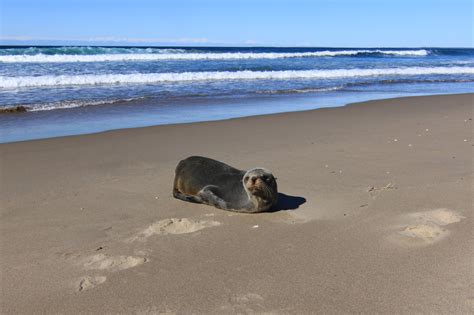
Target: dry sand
(376, 216)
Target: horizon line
(176, 42)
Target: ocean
(58, 91)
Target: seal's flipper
(210, 196)
(179, 195)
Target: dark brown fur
(204, 180)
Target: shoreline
(376, 216)
(21, 111)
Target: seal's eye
(246, 178)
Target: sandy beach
(375, 216)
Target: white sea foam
(145, 78)
(70, 104)
(79, 103)
(304, 90)
(39, 58)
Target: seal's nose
(254, 179)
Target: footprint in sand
(155, 310)
(104, 263)
(112, 263)
(116, 263)
(244, 304)
(428, 226)
(173, 226)
(89, 282)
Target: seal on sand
(203, 180)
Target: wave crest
(180, 55)
(144, 78)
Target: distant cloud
(138, 41)
(251, 42)
(16, 38)
(150, 40)
(109, 39)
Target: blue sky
(337, 23)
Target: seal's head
(261, 187)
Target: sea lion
(203, 180)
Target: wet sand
(375, 216)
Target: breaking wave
(148, 78)
(86, 50)
(167, 54)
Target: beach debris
(465, 140)
(15, 109)
(364, 205)
(99, 248)
(340, 171)
(396, 140)
(255, 226)
(387, 172)
(326, 166)
(410, 145)
(156, 197)
(389, 186)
